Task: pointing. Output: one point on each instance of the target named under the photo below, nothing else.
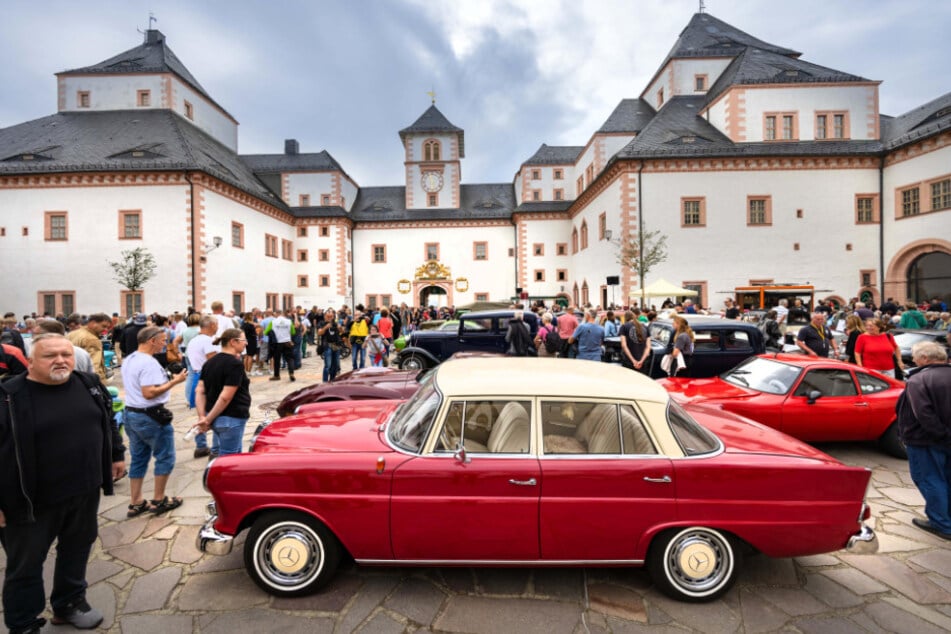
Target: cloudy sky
(345, 76)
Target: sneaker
(292, 378)
(201, 452)
(79, 614)
(275, 378)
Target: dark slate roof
(114, 140)
(926, 120)
(152, 56)
(478, 202)
(756, 66)
(678, 132)
(543, 206)
(279, 163)
(332, 211)
(434, 121)
(707, 36)
(631, 115)
(555, 155)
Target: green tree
(643, 252)
(135, 268)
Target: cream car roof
(533, 377)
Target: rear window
(692, 438)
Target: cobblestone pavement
(146, 575)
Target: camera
(174, 368)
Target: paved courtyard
(146, 575)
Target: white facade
(834, 220)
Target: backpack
(521, 340)
(7, 337)
(552, 341)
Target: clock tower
(433, 149)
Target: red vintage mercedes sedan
(529, 462)
(811, 399)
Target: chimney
(291, 146)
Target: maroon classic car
(359, 385)
(529, 462)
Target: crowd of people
(53, 372)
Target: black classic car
(719, 344)
(482, 331)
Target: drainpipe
(515, 229)
(194, 228)
(353, 270)
(881, 228)
(640, 224)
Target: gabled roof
(707, 36)
(152, 56)
(543, 206)
(123, 140)
(926, 120)
(277, 163)
(555, 155)
(678, 132)
(631, 115)
(489, 201)
(434, 121)
(757, 66)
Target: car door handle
(860, 404)
(664, 480)
(523, 483)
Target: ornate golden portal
(432, 278)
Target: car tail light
(866, 512)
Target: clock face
(431, 181)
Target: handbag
(672, 365)
(173, 354)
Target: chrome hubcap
(699, 561)
(288, 555)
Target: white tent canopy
(663, 288)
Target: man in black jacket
(59, 446)
(924, 425)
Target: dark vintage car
(373, 383)
(719, 344)
(906, 338)
(529, 462)
(482, 331)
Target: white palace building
(759, 167)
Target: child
(375, 347)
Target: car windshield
(763, 375)
(411, 420)
(906, 340)
(693, 439)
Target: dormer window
(792, 73)
(27, 157)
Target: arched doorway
(929, 276)
(918, 269)
(433, 295)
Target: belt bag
(160, 414)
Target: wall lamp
(216, 242)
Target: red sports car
(530, 462)
(810, 399)
(372, 383)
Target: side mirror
(461, 454)
(813, 396)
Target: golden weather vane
(432, 95)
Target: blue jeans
(191, 386)
(147, 439)
(229, 432)
(358, 356)
(74, 524)
(331, 364)
(930, 469)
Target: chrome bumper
(211, 541)
(865, 542)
